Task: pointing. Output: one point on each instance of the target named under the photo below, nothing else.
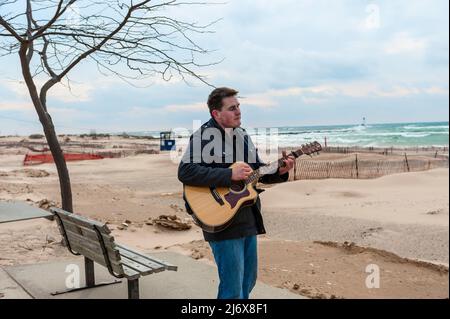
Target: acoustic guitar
(214, 208)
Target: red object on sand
(48, 158)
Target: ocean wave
(406, 134)
(376, 135)
(361, 127)
(412, 127)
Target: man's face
(230, 115)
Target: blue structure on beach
(167, 141)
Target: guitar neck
(270, 168)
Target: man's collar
(214, 123)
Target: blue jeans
(237, 264)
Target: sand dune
(405, 214)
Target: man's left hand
(289, 162)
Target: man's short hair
(216, 96)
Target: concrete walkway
(193, 280)
(9, 289)
(12, 211)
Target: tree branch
(44, 58)
(29, 31)
(58, 13)
(11, 30)
(58, 78)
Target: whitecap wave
(413, 127)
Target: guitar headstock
(308, 149)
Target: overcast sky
(295, 63)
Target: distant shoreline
(428, 135)
(40, 139)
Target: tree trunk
(49, 131)
(60, 162)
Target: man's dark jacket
(248, 220)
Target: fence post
(407, 164)
(357, 170)
(295, 170)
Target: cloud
(16, 106)
(263, 101)
(403, 42)
(323, 93)
(437, 90)
(70, 113)
(314, 100)
(309, 95)
(76, 92)
(292, 91)
(282, 54)
(361, 90)
(139, 111)
(193, 107)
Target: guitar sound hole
(237, 186)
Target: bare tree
(129, 39)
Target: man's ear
(215, 114)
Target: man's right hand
(241, 171)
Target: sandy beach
(321, 234)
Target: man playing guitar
(234, 247)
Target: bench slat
(141, 269)
(94, 246)
(141, 260)
(86, 232)
(130, 273)
(81, 220)
(166, 265)
(94, 252)
(98, 258)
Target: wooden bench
(93, 240)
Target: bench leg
(133, 289)
(89, 272)
(90, 279)
(84, 288)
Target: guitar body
(214, 208)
